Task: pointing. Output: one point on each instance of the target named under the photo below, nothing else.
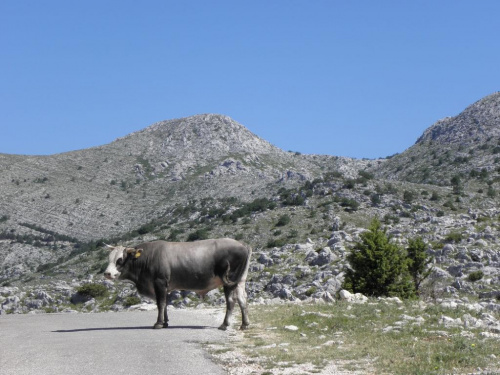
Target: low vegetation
(92, 290)
(380, 337)
(379, 267)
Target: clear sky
(347, 78)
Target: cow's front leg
(161, 303)
(228, 292)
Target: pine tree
(378, 266)
(418, 262)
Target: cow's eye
(119, 262)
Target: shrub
(378, 267)
(278, 242)
(375, 199)
(366, 175)
(283, 220)
(435, 196)
(475, 276)
(200, 234)
(92, 290)
(408, 196)
(174, 235)
(349, 204)
(455, 237)
(418, 262)
(131, 300)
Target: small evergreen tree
(418, 262)
(378, 266)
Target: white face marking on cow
(115, 259)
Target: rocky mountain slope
(116, 188)
(466, 146)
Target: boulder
(352, 298)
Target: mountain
(115, 188)
(465, 146)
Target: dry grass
(357, 338)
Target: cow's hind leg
(161, 302)
(228, 292)
(241, 296)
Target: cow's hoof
(244, 327)
(223, 327)
(158, 326)
(165, 325)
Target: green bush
(418, 262)
(283, 220)
(93, 290)
(278, 242)
(200, 234)
(408, 196)
(455, 237)
(475, 276)
(378, 266)
(132, 300)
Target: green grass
(357, 335)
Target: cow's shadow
(128, 328)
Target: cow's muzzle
(110, 276)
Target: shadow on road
(127, 328)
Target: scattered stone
(352, 298)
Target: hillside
(144, 177)
(112, 189)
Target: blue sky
(347, 78)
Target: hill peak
(477, 123)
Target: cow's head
(118, 258)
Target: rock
(456, 270)
(394, 300)
(352, 298)
(481, 243)
(305, 247)
(77, 298)
(11, 303)
(336, 223)
(265, 260)
(447, 250)
(439, 274)
(311, 257)
(291, 328)
(325, 256)
(286, 294)
(450, 322)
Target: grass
(358, 335)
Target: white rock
(352, 298)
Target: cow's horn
(109, 246)
(129, 250)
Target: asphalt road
(108, 343)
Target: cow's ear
(136, 253)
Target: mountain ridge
(114, 188)
(453, 147)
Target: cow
(159, 267)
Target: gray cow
(159, 267)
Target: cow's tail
(241, 272)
